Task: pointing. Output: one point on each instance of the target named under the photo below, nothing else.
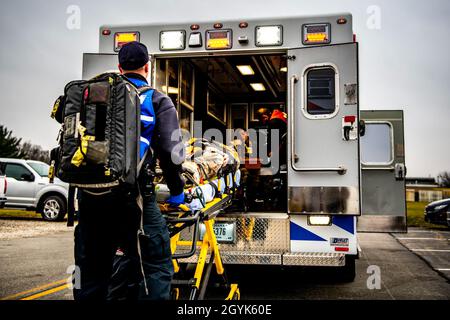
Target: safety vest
(148, 118)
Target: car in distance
(438, 212)
(29, 187)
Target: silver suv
(29, 187)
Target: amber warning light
(316, 33)
(218, 39)
(122, 38)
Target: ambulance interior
(234, 92)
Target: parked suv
(29, 187)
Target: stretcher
(208, 200)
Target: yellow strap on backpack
(55, 108)
(79, 155)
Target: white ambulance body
(222, 72)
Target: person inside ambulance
(278, 121)
(269, 121)
(242, 145)
(141, 267)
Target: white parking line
(445, 269)
(406, 238)
(428, 231)
(430, 250)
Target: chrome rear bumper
(287, 259)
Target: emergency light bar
(269, 36)
(172, 40)
(316, 33)
(122, 38)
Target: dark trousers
(110, 261)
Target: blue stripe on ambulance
(299, 233)
(345, 222)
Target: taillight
(341, 249)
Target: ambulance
(345, 168)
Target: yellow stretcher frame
(208, 245)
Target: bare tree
(34, 152)
(444, 179)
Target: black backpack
(100, 132)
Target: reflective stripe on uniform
(147, 118)
(144, 140)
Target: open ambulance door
(383, 172)
(323, 152)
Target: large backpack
(99, 136)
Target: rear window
(40, 168)
(320, 91)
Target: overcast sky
(404, 58)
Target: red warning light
(195, 27)
(218, 25)
(350, 119)
(243, 25)
(106, 32)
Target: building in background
(424, 190)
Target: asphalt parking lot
(412, 266)
(431, 245)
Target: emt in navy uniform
(114, 262)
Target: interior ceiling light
(258, 86)
(246, 70)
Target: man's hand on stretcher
(175, 202)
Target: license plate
(225, 231)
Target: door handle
(400, 171)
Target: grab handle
(294, 157)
